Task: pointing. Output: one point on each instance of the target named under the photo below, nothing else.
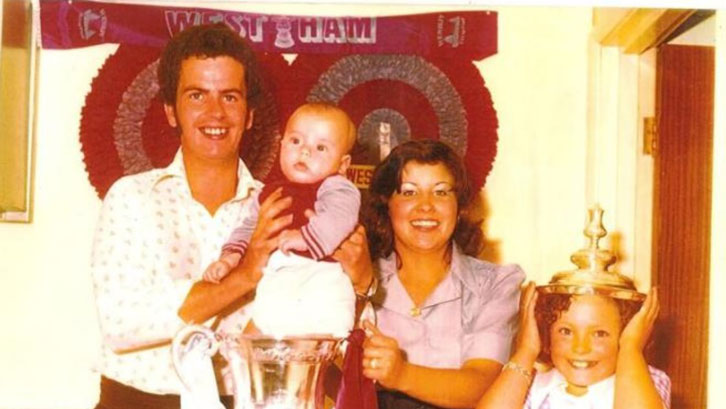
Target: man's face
(211, 108)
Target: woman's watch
(370, 292)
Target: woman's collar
(459, 267)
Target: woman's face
(424, 212)
(585, 340)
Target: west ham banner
(398, 77)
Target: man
(158, 229)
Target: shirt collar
(460, 269)
(599, 395)
(246, 183)
(463, 271)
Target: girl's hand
(382, 359)
(636, 333)
(528, 343)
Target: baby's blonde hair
(329, 108)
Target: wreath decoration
(418, 98)
(124, 131)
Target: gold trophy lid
(592, 275)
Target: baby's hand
(220, 268)
(216, 271)
(292, 240)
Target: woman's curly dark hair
(386, 180)
(207, 41)
(550, 307)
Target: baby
(303, 290)
(595, 344)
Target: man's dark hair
(207, 41)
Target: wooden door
(682, 217)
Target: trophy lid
(592, 275)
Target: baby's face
(314, 147)
(584, 340)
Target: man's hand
(355, 258)
(264, 239)
(206, 300)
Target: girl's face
(424, 212)
(584, 340)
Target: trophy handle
(184, 341)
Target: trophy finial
(593, 275)
(595, 229)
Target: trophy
(268, 372)
(593, 275)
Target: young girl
(595, 345)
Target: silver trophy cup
(269, 373)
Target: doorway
(682, 217)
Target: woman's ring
(374, 363)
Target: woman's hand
(355, 258)
(382, 359)
(528, 343)
(264, 240)
(636, 333)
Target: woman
(445, 319)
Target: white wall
(50, 333)
(702, 34)
(538, 81)
(535, 194)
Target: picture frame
(18, 64)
